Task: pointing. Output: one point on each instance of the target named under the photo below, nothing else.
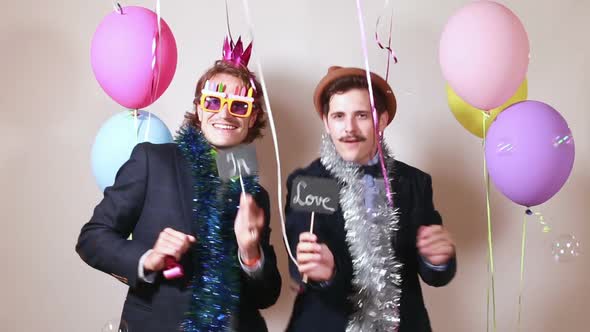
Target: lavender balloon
(529, 152)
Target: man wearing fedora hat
(358, 270)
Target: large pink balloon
(127, 58)
(484, 54)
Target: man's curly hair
(248, 78)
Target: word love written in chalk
(312, 194)
(237, 161)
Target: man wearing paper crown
(199, 258)
(358, 268)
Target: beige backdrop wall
(51, 108)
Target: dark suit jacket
(152, 191)
(327, 308)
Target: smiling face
(222, 129)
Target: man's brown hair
(242, 73)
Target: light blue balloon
(116, 139)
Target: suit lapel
(185, 183)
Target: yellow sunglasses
(212, 100)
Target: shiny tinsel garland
(216, 282)
(377, 273)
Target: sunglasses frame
(226, 99)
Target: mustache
(358, 138)
(227, 119)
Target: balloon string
(135, 115)
(146, 135)
(546, 229)
(273, 132)
(489, 222)
(227, 22)
(488, 294)
(156, 67)
(118, 7)
(390, 52)
(522, 256)
(372, 99)
(540, 219)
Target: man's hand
(247, 227)
(314, 260)
(170, 243)
(435, 244)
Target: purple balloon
(529, 152)
(128, 59)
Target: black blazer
(152, 191)
(327, 308)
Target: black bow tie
(373, 170)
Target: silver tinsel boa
(377, 273)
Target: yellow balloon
(471, 118)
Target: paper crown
(235, 53)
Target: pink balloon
(484, 53)
(124, 60)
